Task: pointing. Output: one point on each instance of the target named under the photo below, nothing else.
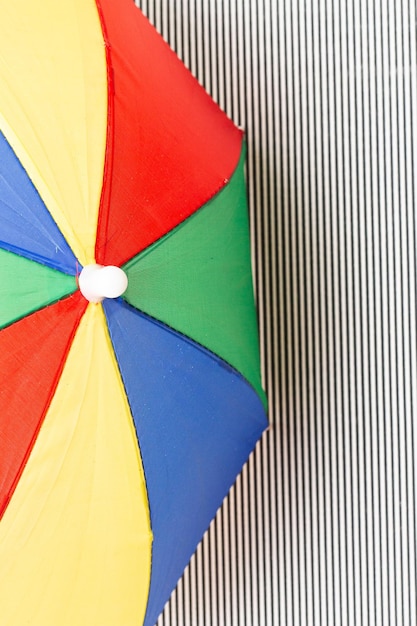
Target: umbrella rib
(103, 213)
(213, 355)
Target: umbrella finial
(98, 282)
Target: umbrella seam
(103, 213)
(221, 361)
(181, 224)
(50, 396)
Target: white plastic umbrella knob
(98, 282)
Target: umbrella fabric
(124, 423)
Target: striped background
(320, 528)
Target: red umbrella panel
(130, 393)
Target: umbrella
(130, 388)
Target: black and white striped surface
(321, 527)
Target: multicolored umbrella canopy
(125, 419)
